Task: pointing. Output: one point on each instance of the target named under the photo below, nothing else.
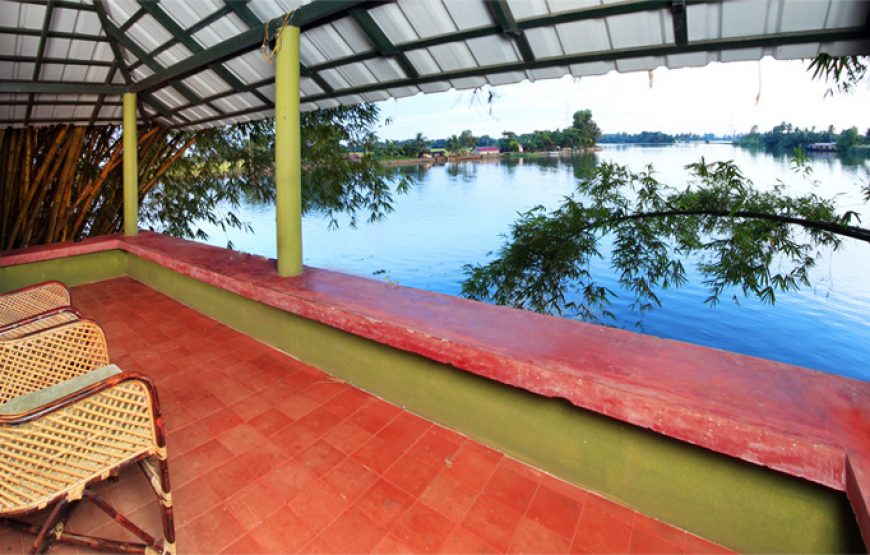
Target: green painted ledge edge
(734, 503)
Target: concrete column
(131, 167)
(288, 165)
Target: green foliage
(229, 165)
(844, 72)
(849, 140)
(644, 137)
(760, 242)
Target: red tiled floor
(269, 455)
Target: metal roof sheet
(198, 64)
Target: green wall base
(737, 504)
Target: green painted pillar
(288, 165)
(131, 167)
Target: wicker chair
(69, 421)
(31, 301)
(43, 320)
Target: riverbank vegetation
(785, 137)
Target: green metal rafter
(501, 12)
(58, 87)
(253, 22)
(185, 38)
(40, 55)
(51, 34)
(680, 21)
(315, 13)
(198, 26)
(375, 34)
(155, 103)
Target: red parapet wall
(801, 422)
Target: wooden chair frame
(43, 320)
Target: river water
(457, 214)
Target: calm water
(457, 214)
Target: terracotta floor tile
(405, 429)
(246, 545)
(325, 390)
(221, 421)
(213, 530)
(293, 439)
(437, 444)
(198, 461)
(297, 406)
(511, 489)
(318, 505)
(601, 531)
(230, 478)
(320, 457)
(555, 511)
(270, 421)
(411, 474)
(347, 437)
(449, 497)
(377, 454)
(391, 545)
(350, 479)
(321, 420)
(254, 503)
(192, 499)
(492, 521)
(348, 402)
(241, 438)
(353, 532)
(384, 503)
(283, 532)
(531, 537)
(646, 542)
(472, 464)
(422, 529)
(289, 479)
(463, 541)
(374, 415)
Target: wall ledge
(801, 422)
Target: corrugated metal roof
(65, 61)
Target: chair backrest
(41, 321)
(30, 301)
(50, 356)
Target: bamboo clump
(64, 183)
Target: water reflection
(437, 228)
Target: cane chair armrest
(43, 320)
(30, 301)
(46, 357)
(56, 450)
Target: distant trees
(785, 137)
(644, 137)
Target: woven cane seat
(58, 454)
(27, 302)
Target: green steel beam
(38, 102)
(625, 53)
(51, 34)
(681, 25)
(501, 12)
(131, 167)
(40, 56)
(59, 87)
(253, 22)
(315, 13)
(39, 60)
(82, 6)
(185, 37)
(198, 26)
(229, 115)
(122, 39)
(288, 153)
(155, 103)
(377, 36)
(137, 15)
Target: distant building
(436, 153)
(822, 147)
(487, 150)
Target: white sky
(718, 98)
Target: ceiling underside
(200, 63)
